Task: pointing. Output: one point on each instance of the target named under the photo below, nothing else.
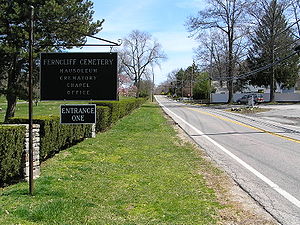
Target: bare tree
(228, 17)
(294, 10)
(273, 40)
(212, 55)
(140, 52)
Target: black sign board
(78, 114)
(79, 76)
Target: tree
(202, 87)
(140, 52)
(294, 10)
(273, 40)
(146, 88)
(171, 82)
(212, 55)
(56, 22)
(180, 82)
(227, 17)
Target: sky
(163, 19)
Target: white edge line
(274, 186)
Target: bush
(102, 118)
(12, 140)
(55, 136)
(119, 109)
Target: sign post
(31, 184)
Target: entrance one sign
(79, 76)
(78, 114)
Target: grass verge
(39, 109)
(138, 172)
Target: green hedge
(119, 109)
(102, 118)
(55, 136)
(12, 139)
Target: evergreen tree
(56, 22)
(180, 82)
(202, 87)
(273, 40)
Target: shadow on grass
(155, 106)
(16, 192)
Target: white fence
(279, 97)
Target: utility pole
(210, 72)
(272, 82)
(192, 78)
(153, 85)
(182, 86)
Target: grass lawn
(42, 108)
(139, 172)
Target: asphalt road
(262, 155)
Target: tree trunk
(11, 95)
(138, 87)
(11, 105)
(230, 92)
(230, 82)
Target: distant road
(262, 156)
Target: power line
(266, 66)
(248, 74)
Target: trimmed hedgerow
(12, 139)
(55, 136)
(102, 118)
(119, 109)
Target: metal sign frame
(30, 88)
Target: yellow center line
(245, 125)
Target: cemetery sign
(78, 114)
(79, 76)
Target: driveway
(286, 114)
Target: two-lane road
(263, 157)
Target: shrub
(55, 136)
(102, 118)
(12, 140)
(119, 109)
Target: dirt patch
(239, 207)
(247, 110)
